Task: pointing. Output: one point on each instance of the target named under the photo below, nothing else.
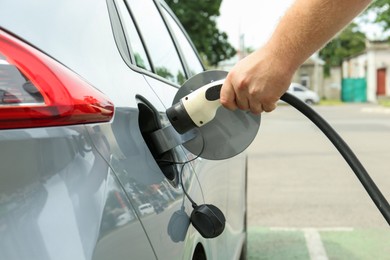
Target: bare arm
(258, 81)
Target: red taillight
(37, 91)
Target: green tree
(348, 43)
(382, 10)
(199, 20)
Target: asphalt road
(302, 193)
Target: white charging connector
(202, 104)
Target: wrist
(282, 58)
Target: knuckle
(269, 107)
(243, 107)
(224, 101)
(256, 111)
(228, 104)
(242, 84)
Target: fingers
(233, 97)
(239, 96)
(232, 100)
(242, 101)
(228, 96)
(256, 107)
(269, 107)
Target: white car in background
(306, 95)
(146, 208)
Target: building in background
(361, 78)
(366, 77)
(311, 74)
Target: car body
(306, 95)
(93, 81)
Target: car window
(298, 89)
(139, 54)
(193, 63)
(164, 57)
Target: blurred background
(304, 202)
(350, 68)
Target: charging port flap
(156, 136)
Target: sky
(256, 20)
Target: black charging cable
(193, 203)
(183, 164)
(360, 172)
(207, 219)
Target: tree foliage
(382, 10)
(348, 43)
(199, 20)
(351, 41)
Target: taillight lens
(37, 91)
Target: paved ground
(304, 200)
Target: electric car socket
(216, 132)
(197, 108)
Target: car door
(223, 182)
(163, 54)
(149, 177)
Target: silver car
(83, 84)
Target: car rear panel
(59, 198)
(73, 192)
(53, 187)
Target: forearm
(308, 25)
(258, 81)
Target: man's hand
(256, 83)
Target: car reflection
(44, 209)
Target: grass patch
(331, 102)
(265, 244)
(361, 244)
(358, 244)
(384, 102)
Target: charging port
(150, 120)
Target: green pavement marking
(361, 244)
(339, 243)
(264, 243)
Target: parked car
(306, 95)
(86, 83)
(124, 218)
(146, 208)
